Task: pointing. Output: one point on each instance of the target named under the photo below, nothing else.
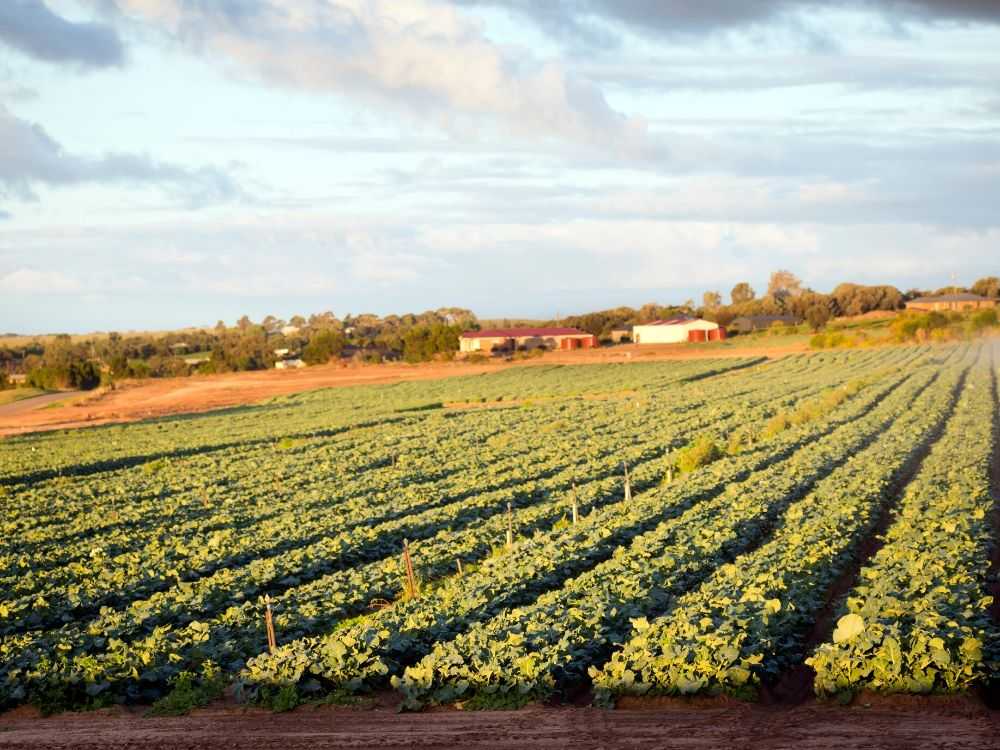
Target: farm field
(158, 397)
(816, 525)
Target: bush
(700, 452)
(191, 691)
(322, 347)
(984, 319)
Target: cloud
(422, 56)
(31, 281)
(32, 28)
(586, 19)
(29, 156)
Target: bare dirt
(959, 724)
(132, 401)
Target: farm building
(750, 323)
(677, 331)
(946, 302)
(512, 339)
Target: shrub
(191, 691)
(698, 453)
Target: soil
(870, 723)
(132, 401)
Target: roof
(670, 322)
(962, 297)
(516, 333)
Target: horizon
(230, 323)
(164, 162)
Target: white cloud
(31, 281)
(418, 54)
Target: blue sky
(173, 162)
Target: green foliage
(424, 343)
(309, 497)
(918, 622)
(280, 699)
(190, 691)
(498, 701)
(746, 622)
(323, 346)
(700, 452)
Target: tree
(711, 300)
(784, 284)
(988, 286)
(817, 316)
(4, 381)
(742, 293)
(244, 323)
(323, 346)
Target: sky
(166, 163)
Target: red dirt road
(955, 725)
(161, 397)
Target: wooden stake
(670, 474)
(272, 642)
(510, 526)
(411, 579)
(576, 506)
(628, 484)
(458, 562)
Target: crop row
(98, 579)
(364, 654)
(918, 621)
(34, 457)
(549, 644)
(748, 621)
(164, 642)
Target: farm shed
(750, 323)
(677, 331)
(946, 302)
(511, 339)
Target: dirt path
(16, 409)
(161, 397)
(958, 725)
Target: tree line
(62, 361)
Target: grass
(19, 394)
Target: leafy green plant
(190, 690)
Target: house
(677, 331)
(512, 339)
(289, 364)
(620, 334)
(946, 302)
(750, 323)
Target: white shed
(676, 331)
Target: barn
(677, 331)
(513, 339)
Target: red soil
(890, 724)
